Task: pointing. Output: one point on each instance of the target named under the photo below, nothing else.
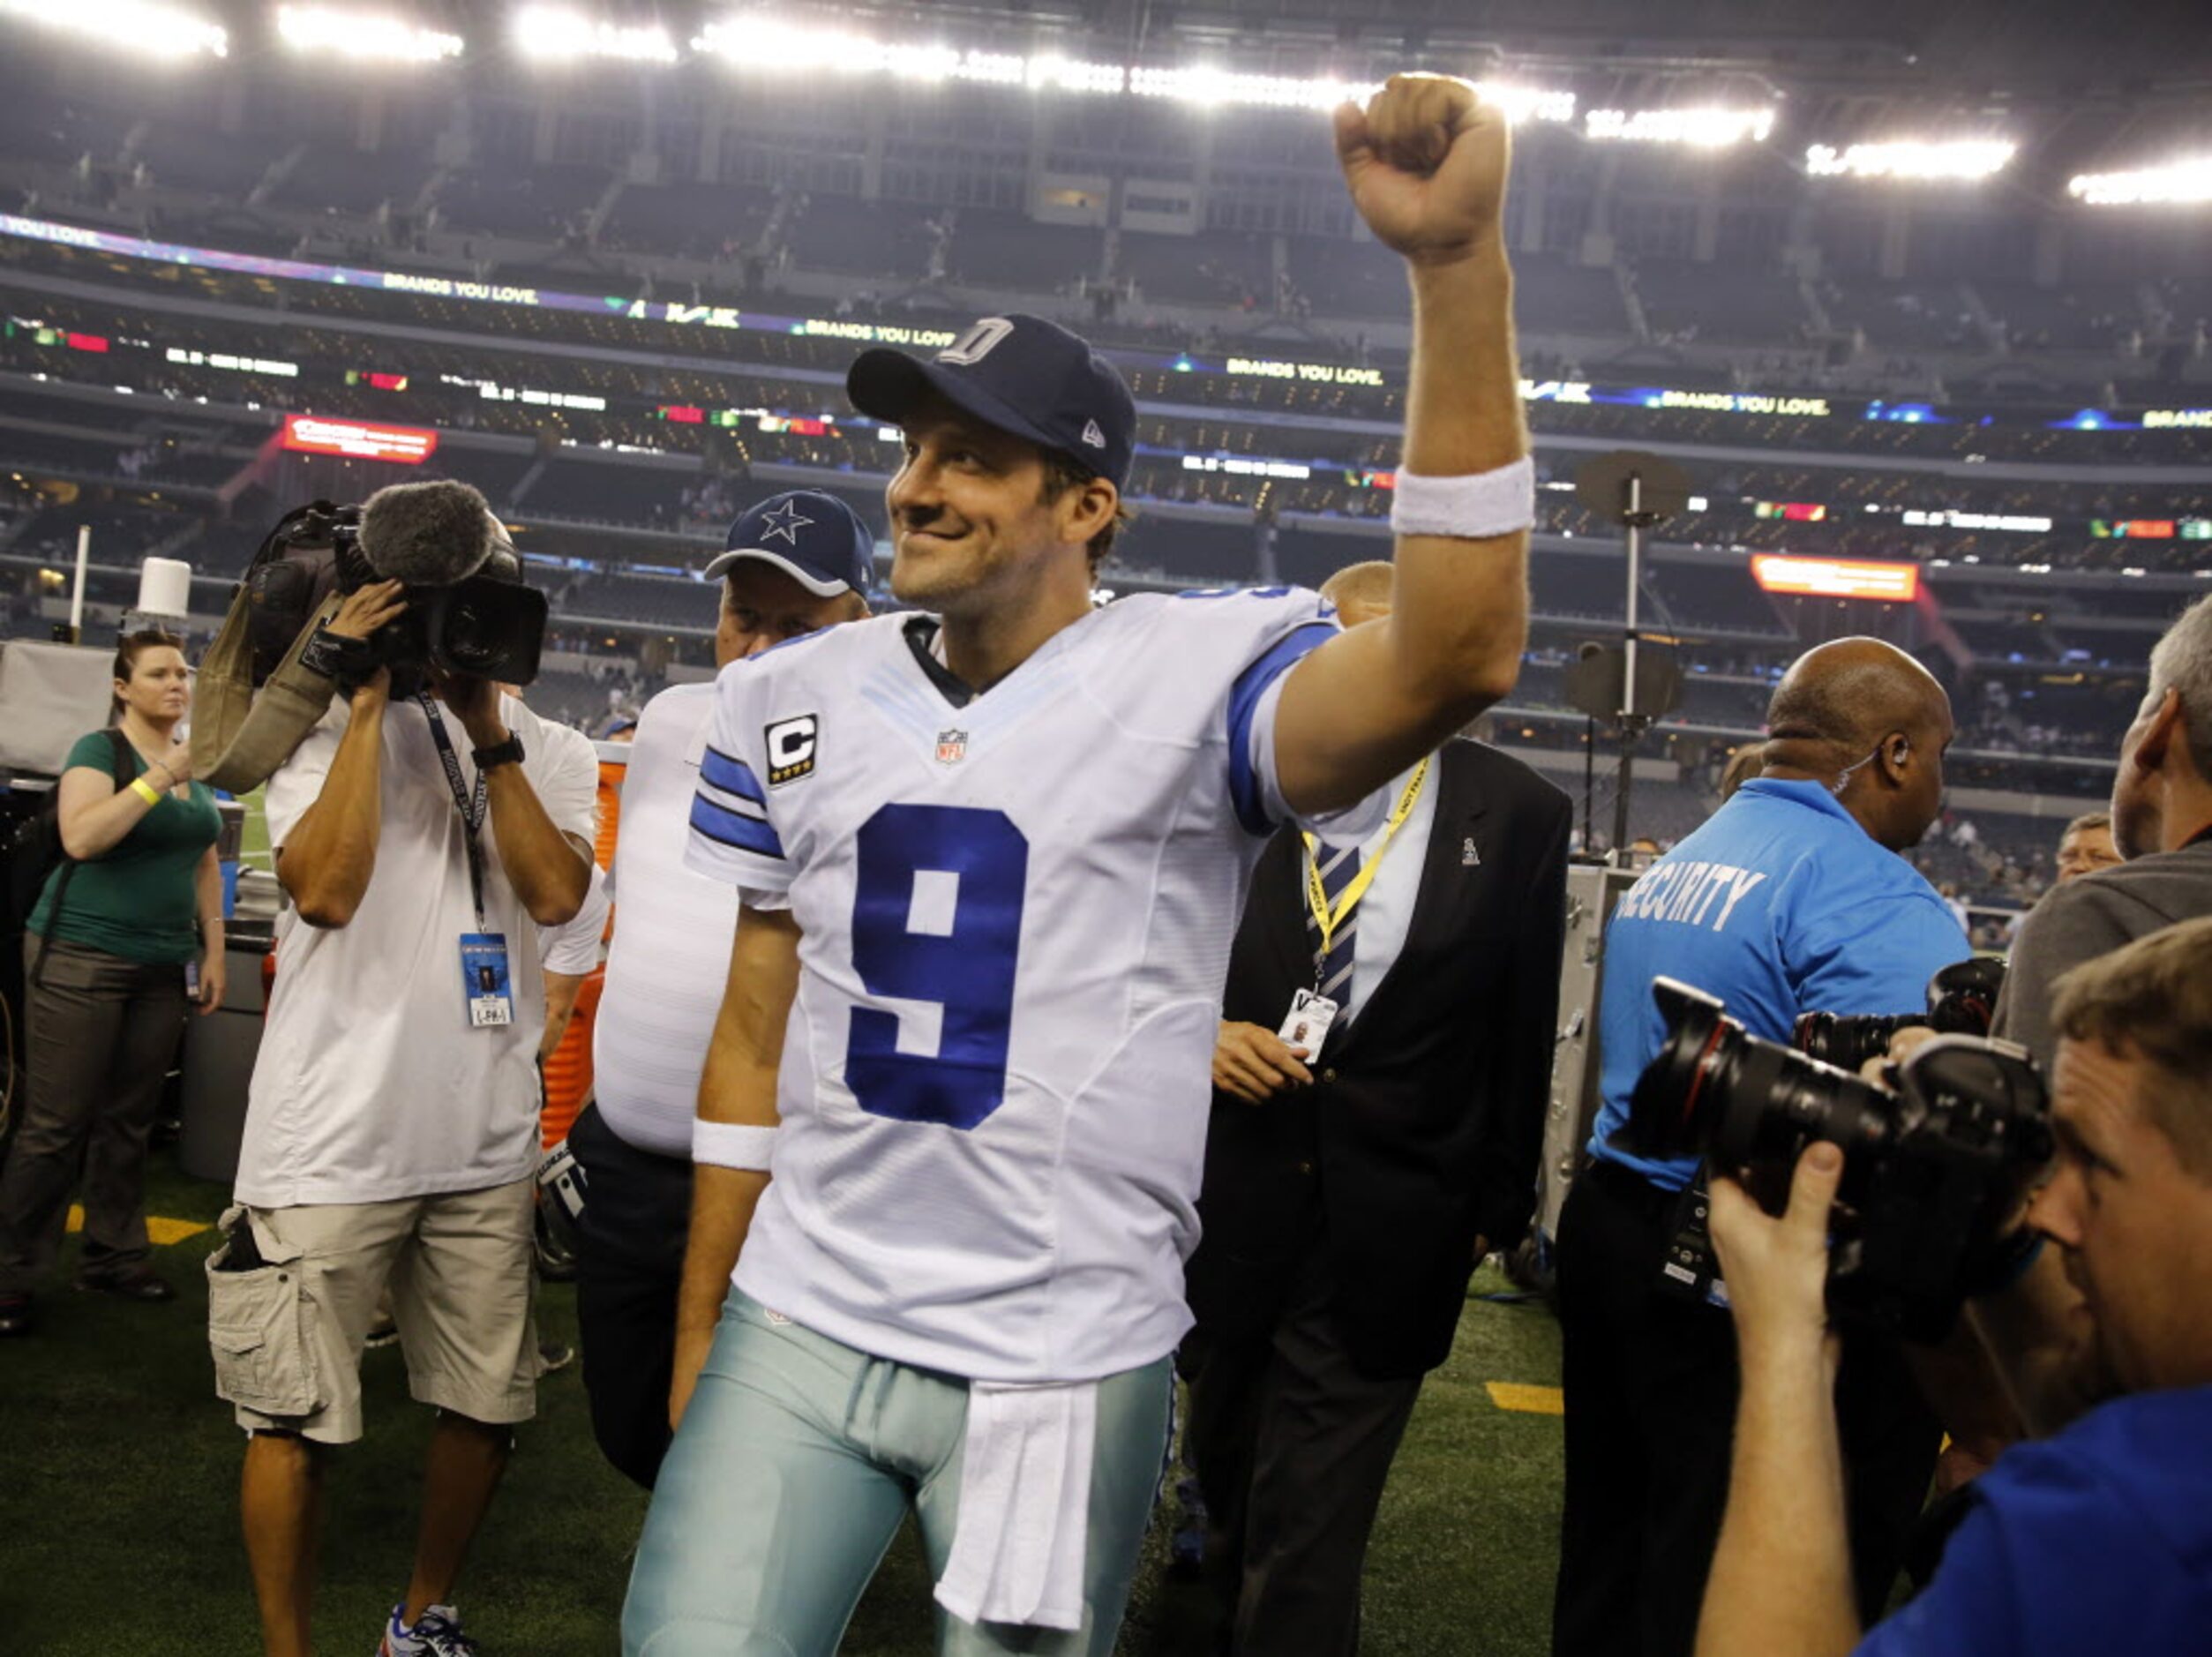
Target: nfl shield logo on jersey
(952, 746)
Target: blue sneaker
(437, 1635)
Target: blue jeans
(798, 1458)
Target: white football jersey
(1016, 912)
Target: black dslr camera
(1961, 1001)
(1932, 1169)
(468, 610)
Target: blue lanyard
(471, 807)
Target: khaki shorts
(288, 1335)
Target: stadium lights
(2182, 181)
(1217, 88)
(1709, 129)
(365, 35)
(1912, 159)
(556, 34)
(135, 26)
(1527, 103)
(783, 46)
(753, 43)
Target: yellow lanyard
(1317, 896)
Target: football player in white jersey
(950, 1127)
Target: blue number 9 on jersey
(936, 917)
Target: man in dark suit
(1355, 1177)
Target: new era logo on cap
(1017, 373)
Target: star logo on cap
(783, 521)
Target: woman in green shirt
(106, 971)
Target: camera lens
(468, 641)
(1779, 1102)
(1848, 1040)
(1670, 1113)
(490, 629)
(1749, 1105)
(1962, 998)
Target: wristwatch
(508, 753)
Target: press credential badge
(484, 981)
(1307, 1025)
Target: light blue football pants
(797, 1461)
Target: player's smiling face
(970, 524)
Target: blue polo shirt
(1780, 904)
(2098, 1541)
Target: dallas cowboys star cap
(1017, 373)
(814, 538)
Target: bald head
(1869, 721)
(1848, 694)
(1362, 592)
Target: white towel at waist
(1019, 1538)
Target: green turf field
(118, 1505)
(254, 843)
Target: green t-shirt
(137, 899)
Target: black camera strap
(472, 807)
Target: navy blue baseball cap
(1015, 373)
(814, 538)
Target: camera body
(1961, 1001)
(488, 624)
(1932, 1167)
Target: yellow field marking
(1530, 1400)
(164, 1231)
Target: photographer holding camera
(2096, 1541)
(423, 831)
(1789, 900)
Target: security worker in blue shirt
(1792, 898)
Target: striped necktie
(1341, 865)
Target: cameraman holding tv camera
(424, 829)
(2096, 1541)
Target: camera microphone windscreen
(431, 534)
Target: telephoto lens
(1748, 1106)
(1961, 1001)
(1934, 1166)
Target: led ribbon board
(359, 440)
(1836, 578)
(919, 337)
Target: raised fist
(1426, 162)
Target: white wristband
(732, 1145)
(1473, 507)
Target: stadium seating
(545, 202)
(2007, 640)
(1203, 553)
(193, 156)
(885, 241)
(1720, 597)
(598, 493)
(329, 176)
(654, 600)
(1719, 301)
(1007, 250)
(35, 126)
(1902, 315)
(691, 219)
(1347, 277)
(1221, 269)
(2077, 318)
(1552, 295)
